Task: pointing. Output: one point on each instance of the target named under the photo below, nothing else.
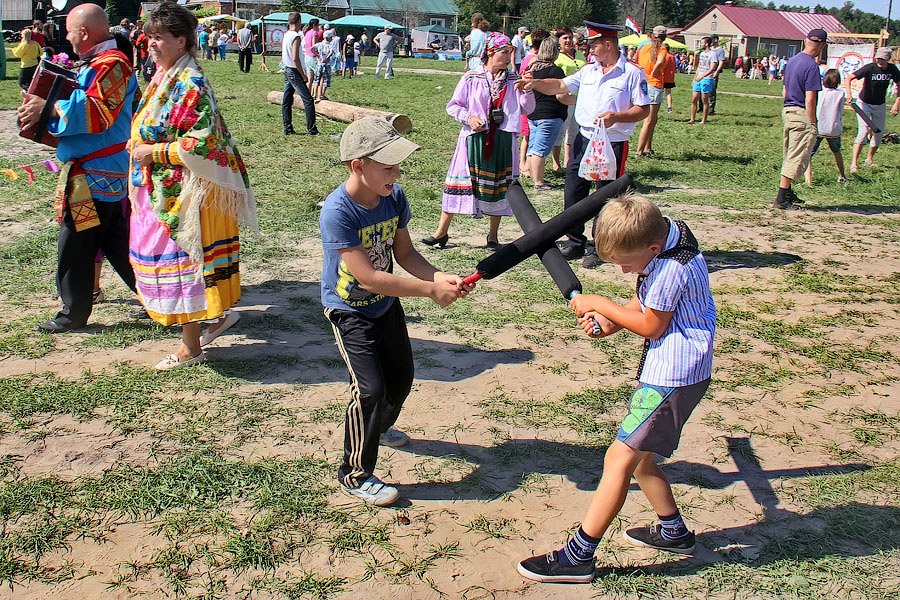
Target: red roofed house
(755, 30)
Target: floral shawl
(196, 160)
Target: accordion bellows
(51, 82)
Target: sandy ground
(445, 418)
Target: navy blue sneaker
(546, 569)
(651, 537)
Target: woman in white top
(223, 44)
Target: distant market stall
(217, 19)
(273, 26)
(434, 41)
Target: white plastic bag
(599, 160)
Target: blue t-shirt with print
(344, 224)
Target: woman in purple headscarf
(486, 161)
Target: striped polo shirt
(683, 355)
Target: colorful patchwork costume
(185, 207)
(92, 126)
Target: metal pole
(887, 21)
(644, 21)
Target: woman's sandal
(171, 362)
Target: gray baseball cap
(375, 138)
(883, 53)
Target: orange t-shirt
(643, 60)
(669, 69)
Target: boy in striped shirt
(673, 310)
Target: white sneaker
(373, 491)
(393, 438)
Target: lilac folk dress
(472, 97)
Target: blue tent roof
(365, 21)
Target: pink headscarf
(496, 41)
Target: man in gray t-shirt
(385, 42)
(720, 56)
(245, 48)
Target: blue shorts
(310, 62)
(834, 143)
(657, 414)
(704, 86)
(350, 64)
(655, 94)
(543, 136)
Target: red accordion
(51, 82)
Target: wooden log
(347, 112)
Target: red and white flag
(630, 24)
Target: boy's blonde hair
(628, 224)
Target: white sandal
(171, 362)
(230, 319)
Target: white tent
(422, 38)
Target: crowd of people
(159, 186)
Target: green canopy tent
(366, 21)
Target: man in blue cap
(612, 90)
(802, 83)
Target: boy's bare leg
(840, 162)
(618, 467)
(655, 485)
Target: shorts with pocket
(657, 414)
(655, 94)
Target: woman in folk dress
(486, 161)
(188, 189)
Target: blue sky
(879, 7)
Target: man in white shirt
(295, 79)
(611, 90)
(245, 48)
(519, 44)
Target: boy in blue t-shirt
(363, 226)
(673, 310)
